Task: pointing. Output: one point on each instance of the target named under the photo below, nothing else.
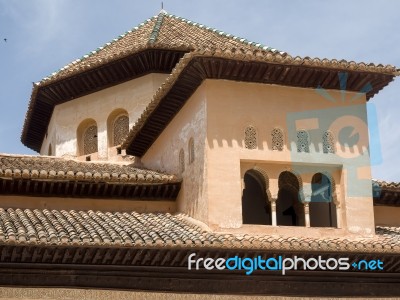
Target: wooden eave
(160, 269)
(89, 189)
(387, 196)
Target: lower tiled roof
(163, 230)
(45, 167)
(61, 177)
(386, 193)
(387, 184)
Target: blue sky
(44, 35)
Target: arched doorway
(289, 209)
(322, 208)
(255, 205)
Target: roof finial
(162, 8)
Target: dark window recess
(255, 205)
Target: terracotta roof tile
(57, 168)
(132, 229)
(386, 184)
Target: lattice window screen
(303, 141)
(182, 161)
(328, 142)
(121, 129)
(191, 150)
(250, 137)
(277, 139)
(90, 140)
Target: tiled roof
(149, 230)
(43, 176)
(387, 184)
(45, 167)
(161, 31)
(386, 193)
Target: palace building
(177, 139)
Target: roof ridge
(156, 28)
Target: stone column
(306, 214)
(335, 197)
(273, 211)
(306, 198)
(338, 215)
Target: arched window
(250, 137)
(256, 208)
(303, 141)
(50, 152)
(328, 142)
(87, 137)
(322, 208)
(289, 209)
(191, 150)
(181, 161)
(277, 139)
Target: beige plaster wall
(387, 216)
(111, 205)
(132, 96)
(231, 106)
(163, 155)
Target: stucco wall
(163, 155)
(132, 96)
(231, 106)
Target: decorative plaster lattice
(121, 129)
(182, 161)
(328, 142)
(191, 150)
(277, 139)
(289, 178)
(90, 140)
(250, 137)
(303, 141)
